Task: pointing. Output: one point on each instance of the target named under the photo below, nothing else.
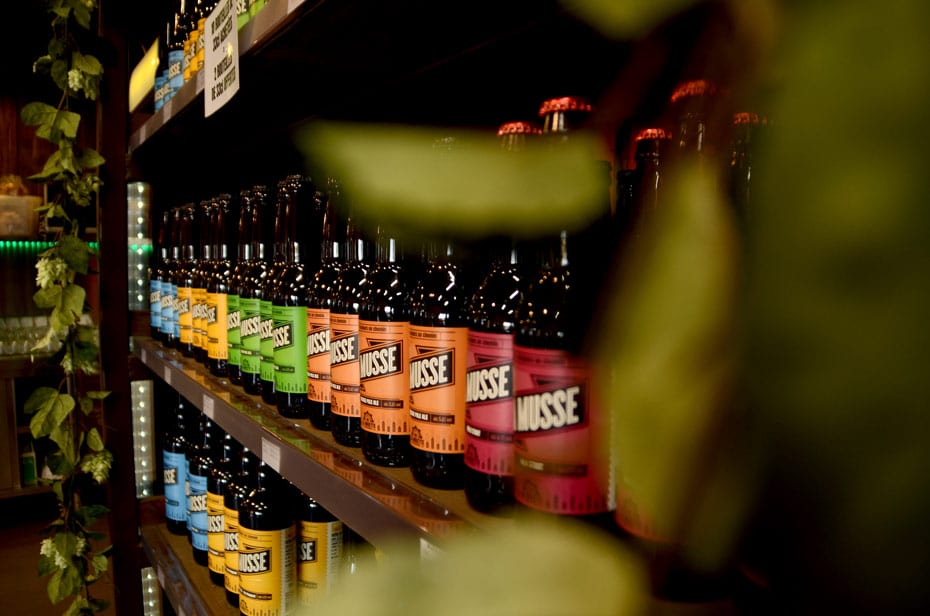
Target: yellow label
(231, 549)
(319, 555)
(216, 552)
(267, 572)
(198, 307)
(185, 319)
(217, 338)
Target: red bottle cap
(653, 133)
(518, 128)
(565, 103)
(698, 87)
(749, 117)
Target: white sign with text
(221, 56)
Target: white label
(145, 356)
(293, 4)
(167, 375)
(271, 454)
(429, 551)
(208, 406)
(221, 57)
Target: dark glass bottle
(267, 547)
(243, 259)
(217, 483)
(319, 550)
(747, 130)
(174, 456)
(269, 288)
(205, 226)
(438, 349)
(489, 402)
(169, 291)
(343, 319)
(303, 225)
(225, 224)
(176, 46)
(201, 464)
(693, 108)
(185, 274)
(651, 150)
(251, 286)
(384, 378)
(320, 293)
(240, 485)
(156, 273)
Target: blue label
(155, 303)
(187, 492)
(176, 68)
(175, 466)
(198, 511)
(167, 308)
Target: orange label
(318, 354)
(185, 320)
(216, 553)
(437, 388)
(344, 365)
(198, 311)
(383, 376)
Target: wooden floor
(22, 591)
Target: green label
(267, 345)
(233, 321)
(250, 345)
(290, 349)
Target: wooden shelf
(386, 506)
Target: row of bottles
(269, 545)
(181, 47)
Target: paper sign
(208, 406)
(167, 375)
(293, 4)
(145, 357)
(221, 56)
(271, 454)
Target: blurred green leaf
(626, 19)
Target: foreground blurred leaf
(397, 175)
(626, 19)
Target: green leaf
(98, 395)
(76, 253)
(48, 297)
(78, 607)
(82, 16)
(99, 605)
(63, 436)
(53, 411)
(37, 113)
(59, 74)
(90, 158)
(72, 299)
(51, 168)
(61, 319)
(100, 563)
(94, 440)
(46, 565)
(55, 594)
(56, 47)
(87, 405)
(86, 64)
(59, 465)
(71, 582)
(68, 122)
(42, 397)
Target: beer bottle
(205, 226)
(269, 288)
(225, 225)
(185, 273)
(243, 261)
(174, 456)
(320, 292)
(343, 319)
(319, 550)
(267, 547)
(240, 485)
(747, 129)
(217, 484)
(156, 275)
(250, 288)
(437, 355)
(169, 292)
(201, 464)
(693, 105)
(176, 47)
(303, 226)
(190, 42)
(561, 465)
(651, 149)
(384, 380)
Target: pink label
(489, 403)
(560, 435)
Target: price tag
(271, 454)
(221, 57)
(168, 375)
(208, 406)
(145, 356)
(293, 4)
(429, 551)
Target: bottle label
(233, 330)
(267, 571)
(383, 378)
(319, 557)
(174, 475)
(176, 68)
(266, 327)
(231, 549)
(155, 304)
(197, 508)
(632, 518)
(185, 320)
(250, 352)
(175, 324)
(560, 435)
(437, 388)
(199, 318)
(217, 342)
(318, 354)
(216, 553)
(344, 397)
(290, 349)
(489, 403)
(167, 308)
